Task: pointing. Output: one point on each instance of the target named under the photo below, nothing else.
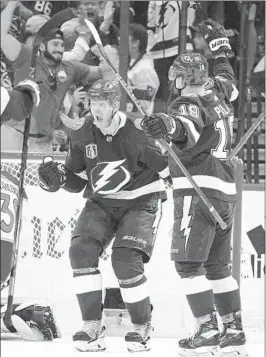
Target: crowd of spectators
(69, 60)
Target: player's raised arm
(219, 46)
(184, 121)
(9, 44)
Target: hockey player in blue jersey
(198, 124)
(122, 170)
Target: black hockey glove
(216, 37)
(22, 100)
(52, 175)
(158, 126)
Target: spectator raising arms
(141, 75)
(54, 76)
(91, 10)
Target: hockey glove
(31, 88)
(216, 38)
(158, 126)
(20, 101)
(33, 321)
(52, 175)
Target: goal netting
(44, 271)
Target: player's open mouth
(99, 119)
(90, 15)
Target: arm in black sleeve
(75, 166)
(223, 69)
(151, 155)
(73, 182)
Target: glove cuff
(62, 170)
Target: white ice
(161, 347)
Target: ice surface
(115, 347)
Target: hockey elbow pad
(52, 175)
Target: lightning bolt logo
(163, 18)
(107, 173)
(185, 221)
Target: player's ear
(116, 105)
(42, 47)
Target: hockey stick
(55, 21)
(246, 136)
(164, 144)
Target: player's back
(207, 143)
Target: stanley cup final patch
(91, 151)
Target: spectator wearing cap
(54, 76)
(142, 76)
(81, 45)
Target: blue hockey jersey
(121, 169)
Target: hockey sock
(88, 287)
(135, 295)
(226, 295)
(199, 295)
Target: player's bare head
(189, 69)
(53, 45)
(104, 96)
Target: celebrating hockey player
(121, 169)
(198, 125)
(30, 320)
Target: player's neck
(135, 55)
(199, 90)
(113, 127)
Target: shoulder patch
(79, 123)
(137, 123)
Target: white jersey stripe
(190, 125)
(156, 186)
(164, 173)
(204, 181)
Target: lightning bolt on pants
(201, 251)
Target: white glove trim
(219, 42)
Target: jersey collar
(119, 120)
